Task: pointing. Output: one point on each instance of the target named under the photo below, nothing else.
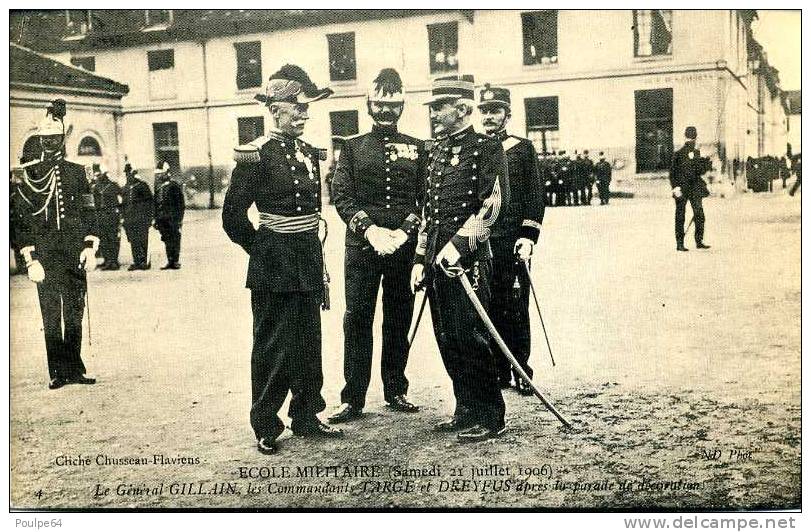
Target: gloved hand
(417, 277)
(399, 237)
(448, 257)
(381, 240)
(677, 193)
(523, 248)
(36, 272)
(87, 259)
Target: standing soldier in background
(377, 188)
(603, 172)
(466, 185)
(513, 238)
(797, 166)
(565, 179)
(589, 176)
(55, 233)
(170, 205)
(685, 180)
(107, 197)
(138, 210)
(280, 175)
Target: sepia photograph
(405, 259)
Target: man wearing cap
(138, 209)
(465, 189)
(603, 172)
(107, 197)
(377, 189)
(513, 238)
(589, 176)
(685, 181)
(279, 173)
(55, 231)
(170, 205)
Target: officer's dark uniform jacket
(379, 180)
(524, 213)
(603, 172)
(107, 196)
(465, 192)
(686, 170)
(55, 215)
(137, 205)
(170, 205)
(281, 176)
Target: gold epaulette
(249, 153)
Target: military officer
(513, 238)
(588, 171)
(279, 173)
(377, 188)
(603, 172)
(107, 197)
(465, 188)
(55, 231)
(170, 205)
(138, 209)
(565, 179)
(685, 180)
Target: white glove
(677, 192)
(399, 237)
(417, 277)
(381, 240)
(448, 256)
(87, 259)
(35, 271)
(523, 248)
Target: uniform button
(388, 197)
(470, 192)
(475, 153)
(62, 216)
(464, 205)
(298, 208)
(442, 160)
(436, 186)
(455, 218)
(385, 138)
(474, 166)
(388, 206)
(436, 211)
(293, 168)
(297, 194)
(318, 209)
(388, 179)
(388, 169)
(473, 178)
(315, 195)
(295, 181)
(288, 155)
(436, 197)
(388, 188)
(446, 149)
(436, 222)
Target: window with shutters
(542, 121)
(162, 84)
(78, 23)
(653, 32)
(443, 47)
(167, 145)
(342, 64)
(249, 64)
(250, 128)
(654, 129)
(540, 30)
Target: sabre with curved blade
(506, 350)
(417, 323)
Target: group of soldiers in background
(136, 208)
(571, 182)
(761, 172)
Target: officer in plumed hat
(279, 173)
(377, 187)
(465, 190)
(514, 238)
(55, 231)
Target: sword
(537, 306)
(417, 323)
(87, 304)
(692, 218)
(504, 349)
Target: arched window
(89, 146)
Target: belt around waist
(279, 223)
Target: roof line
(72, 67)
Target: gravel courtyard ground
(680, 371)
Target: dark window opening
(540, 30)
(161, 59)
(342, 124)
(167, 145)
(342, 64)
(654, 129)
(543, 123)
(653, 32)
(443, 47)
(86, 63)
(90, 147)
(77, 22)
(250, 128)
(249, 64)
(158, 17)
